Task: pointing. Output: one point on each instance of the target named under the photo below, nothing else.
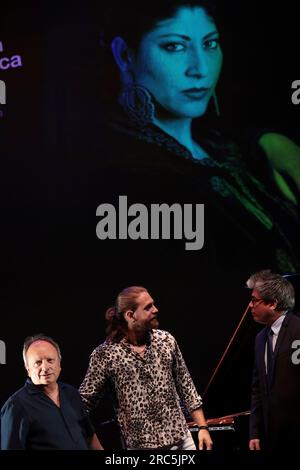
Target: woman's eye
(174, 47)
(212, 44)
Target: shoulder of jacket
(15, 400)
(261, 334)
(68, 387)
(104, 348)
(162, 335)
(293, 319)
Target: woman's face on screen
(179, 62)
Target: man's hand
(254, 444)
(94, 443)
(204, 439)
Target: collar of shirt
(32, 388)
(148, 339)
(275, 327)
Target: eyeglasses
(255, 300)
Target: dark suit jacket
(275, 412)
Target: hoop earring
(216, 104)
(138, 105)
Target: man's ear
(129, 315)
(273, 304)
(121, 54)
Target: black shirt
(31, 420)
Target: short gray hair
(273, 287)
(39, 337)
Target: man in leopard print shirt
(149, 375)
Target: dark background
(57, 277)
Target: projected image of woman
(169, 60)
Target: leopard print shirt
(148, 389)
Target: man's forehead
(41, 345)
(145, 299)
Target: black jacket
(275, 413)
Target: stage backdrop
(58, 277)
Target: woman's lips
(196, 93)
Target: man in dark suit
(275, 405)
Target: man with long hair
(149, 375)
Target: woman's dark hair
(133, 18)
(130, 20)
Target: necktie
(270, 355)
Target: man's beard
(154, 323)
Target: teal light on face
(179, 62)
